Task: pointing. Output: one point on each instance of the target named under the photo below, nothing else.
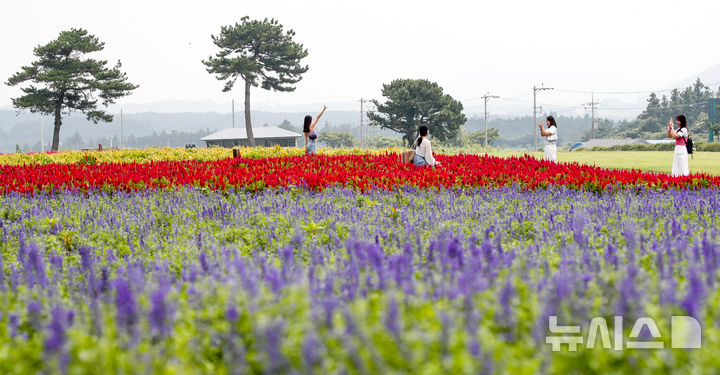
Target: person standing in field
(309, 133)
(551, 138)
(680, 159)
(423, 149)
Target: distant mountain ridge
(24, 127)
(709, 76)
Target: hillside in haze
(23, 128)
(177, 129)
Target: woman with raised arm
(423, 149)
(309, 133)
(551, 138)
(680, 159)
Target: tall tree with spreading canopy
(412, 102)
(64, 79)
(262, 54)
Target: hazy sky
(468, 47)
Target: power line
(625, 92)
(612, 108)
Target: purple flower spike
(160, 313)
(61, 320)
(125, 303)
(696, 293)
(392, 318)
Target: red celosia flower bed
(317, 172)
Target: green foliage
(259, 52)
(692, 102)
(385, 142)
(62, 79)
(708, 147)
(288, 126)
(414, 102)
(468, 140)
(478, 137)
(338, 139)
(604, 129)
(633, 147)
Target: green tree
(413, 102)
(75, 142)
(287, 125)
(262, 54)
(478, 137)
(690, 101)
(338, 139)
(63, 79)
(384, 142)
(604, 129)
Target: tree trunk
(56, 130)
(248, 122)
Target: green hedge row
(699, 146)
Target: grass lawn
(655, 161)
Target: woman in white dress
(551, 138)
(680, 159)
(423, 152)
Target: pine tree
(262, 54)
(414, 102)
(63, 79)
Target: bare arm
(671, 131)
(312, 126)
(542, 131)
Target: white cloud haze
(469, 48)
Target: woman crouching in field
(423, 150)
(551, 138)
(309, 133)
(680, 159)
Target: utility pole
(535, 108)
(592, 105)
(233, 112)
(362, 134)
(42, 137)
(487, 97)
(122, 133)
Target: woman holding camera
(309, 133)
(680, 158)
(551, 138)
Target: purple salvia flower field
(300, 282)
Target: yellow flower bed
(171, 154)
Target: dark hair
(552, 121)
(306, 124)
(683, 121)
(422, 131)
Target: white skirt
(550, 152)
(680, 161)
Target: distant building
(601, 142)
(264, 136)
(659, 141)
